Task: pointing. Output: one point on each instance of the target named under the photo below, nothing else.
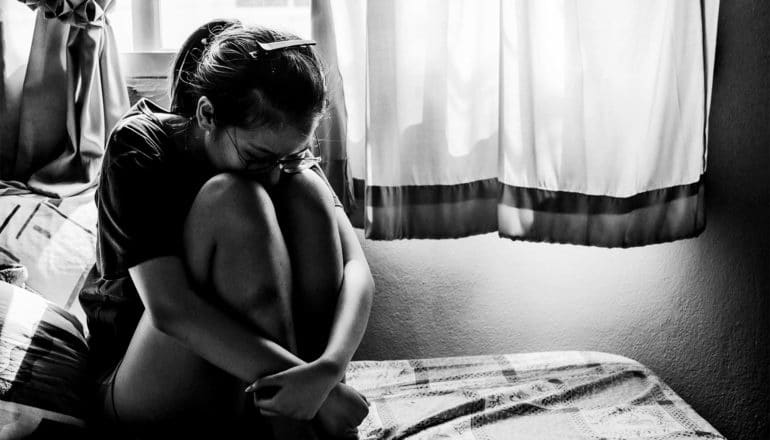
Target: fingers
(277, 405)
(268, 381)
(251, 387)
(266, 404)
(268, 413)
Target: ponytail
(182, 94)
(247, 84)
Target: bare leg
(307, 218)
(159, 378)
(235, 247)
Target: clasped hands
(309, 391)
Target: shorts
(106, 397)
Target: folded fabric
(80, 13)
(43, 376)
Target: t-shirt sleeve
(134, 195)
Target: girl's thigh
(161, 386)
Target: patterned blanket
(551, 395)
(43, 380)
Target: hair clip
(279, 45)
(204, 41)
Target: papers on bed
(55, 239)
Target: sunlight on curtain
(548, 120)
(602, 121)
(71, 94)
(433, 74)
(17, 21)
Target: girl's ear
(204, 113)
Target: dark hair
(271, 88)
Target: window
(149, 32)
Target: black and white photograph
(385, 219)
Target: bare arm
(175, 309)
(355, 299)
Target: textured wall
(695, 311)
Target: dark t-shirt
(147, 185)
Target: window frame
(144, 60)
(147, 64)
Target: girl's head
(246, 97)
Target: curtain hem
(530, 214)
(431, 211)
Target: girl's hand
(298, 392)
(342, 412)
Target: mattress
(550, 395)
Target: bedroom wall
(695, 311)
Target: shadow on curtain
(545, 120)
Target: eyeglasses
(291, 164)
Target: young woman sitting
(230, 290)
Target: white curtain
(574, 121)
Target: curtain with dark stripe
(581, 122)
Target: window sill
(155, 64)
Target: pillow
(43, 374)
(55, 239)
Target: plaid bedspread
(550, 395)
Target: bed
(550, 395)
(46, 245)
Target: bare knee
(306, 211)
(234, 244)
(306, 193)
(225, 207)
(305, 206)
(231, 200)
